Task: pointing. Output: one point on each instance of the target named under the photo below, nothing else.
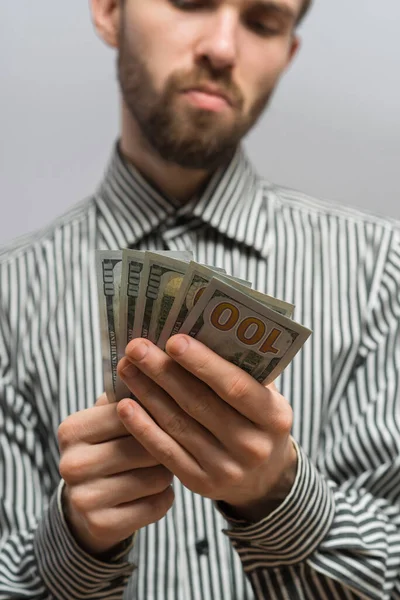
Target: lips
(206, 101)
(212, 91)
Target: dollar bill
(132, 266)
(161, 278)
(244, 331)
(193, 285)
(108, 271)
(280, 306)
(131, 272)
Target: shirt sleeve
(67, 570)
(38, 556)
(337, 534)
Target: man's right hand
(113, 485)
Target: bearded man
(210, 486)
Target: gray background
(333, 129)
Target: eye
(262, 29)
(188, 4)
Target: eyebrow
(274, 7)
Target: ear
(106, 20)
(293, 50)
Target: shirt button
(202, 547)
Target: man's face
(196, 74)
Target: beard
(183, 134)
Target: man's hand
(224, 435)
(113, 485)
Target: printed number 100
(250, 331)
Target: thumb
(102, 400)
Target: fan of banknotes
(155, 295)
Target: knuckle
(97, 525)
(232, 474)
(201, 406)
(64, 433)
(146, 389)
(81, 499)
(238, 387)
(255, 450)
(158, 373)
(177, 425)
(168, 455)
(70, 468)
(74, 466)
(202, 365)
(256, 454)
(284, 421)
(77, 500)
(70, 431)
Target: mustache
(201, 78)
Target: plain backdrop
(332, 130)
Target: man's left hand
(223, 434)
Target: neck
(172, 180)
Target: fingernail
(177, 346)
(130, 371)
(139, 351)
(126, 410)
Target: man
(290, 494)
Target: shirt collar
(131, 208)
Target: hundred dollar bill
(193, 285)
(132, 267)
(165, 302)
(164, 305)
(108, 271)
(161, 276)
(280, 306)
(244, 331)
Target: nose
(218, 43)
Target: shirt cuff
(292, 532)
(67, 570)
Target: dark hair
(304, 10)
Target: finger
(112, 525)
(177, 423)
(227, 427)
(231, 383)
(91, 426)
(102, 400)
(84, 463)
(159, 444)
(194, 396)
(119, 489)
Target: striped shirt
(337, 534)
